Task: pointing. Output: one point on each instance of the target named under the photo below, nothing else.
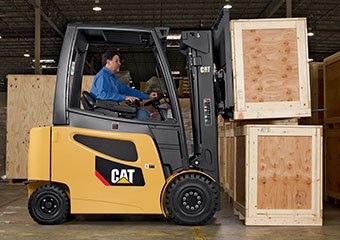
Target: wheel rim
(48, 206)
(192, 201)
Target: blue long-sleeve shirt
(107, 87)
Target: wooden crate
(332, 161)
(331, 70)
(317, 97)
(227, 149)
(30, 104)
(270, 68)
(278, 174)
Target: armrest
(114, 106)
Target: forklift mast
(209, 71)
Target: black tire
(49, 205)
(191, 199)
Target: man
(107, 87)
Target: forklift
(98, 159)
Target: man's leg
(142, 114)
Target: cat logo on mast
(122, 176)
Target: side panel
(39, 154)
(100, 183)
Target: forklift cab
(70, 106)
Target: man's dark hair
(108, 55)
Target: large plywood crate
(270, 68)
(278, 174)
(331, 69)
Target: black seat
(107, 107)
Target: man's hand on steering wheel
(154, 101)
(131, 99)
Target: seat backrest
(88, 101)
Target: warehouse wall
(3, 113)
(3, 99)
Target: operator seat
(107, 107)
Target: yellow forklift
(98, 159)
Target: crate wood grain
(278, 175)
(30, 104)
(270, 68)
(331, 69)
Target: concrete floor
(15, 223)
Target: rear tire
(49, 204)
(191, 199)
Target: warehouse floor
(15, 223)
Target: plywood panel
(270, 68)
(30, 101)
(284, 172)
(270, 65)
(30, 104)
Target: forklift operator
(106, 86)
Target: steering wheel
(155, 101)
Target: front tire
(49, 204)
(191, 199)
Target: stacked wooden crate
(331, 66)
(275, 164)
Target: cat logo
(122, 176)
(205, 69)
(116, 174)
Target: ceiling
(17, 24)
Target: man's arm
(103, 90)
(126, 90)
